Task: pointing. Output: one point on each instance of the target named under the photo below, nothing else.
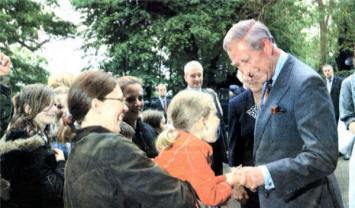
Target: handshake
(240, 177)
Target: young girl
(33, 170)
(155, 119)
(184, 151)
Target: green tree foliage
(344, 31)
(23, 24)
(152, 39)
(334, 24)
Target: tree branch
(33, 48)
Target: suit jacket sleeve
(347, 111)
(314, 117)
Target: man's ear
(185, 78)
(267, 46)
(95, 105)
(27, 109)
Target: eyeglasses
(122, 100)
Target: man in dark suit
(193, 75)
(161, 103)
(333, 86)
(295, 146)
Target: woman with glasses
(145, 135)
(104, 169)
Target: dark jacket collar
(19, 140)
(80, 133)
(15, 134)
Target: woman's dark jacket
(241, 130)
(105, 169)
(241, 136)
(36, 178)
(145, 138)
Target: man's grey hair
(253, 32)
(192, 64)
(161, 85)
(327, 66)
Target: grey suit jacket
(347, 100)
(297, 142)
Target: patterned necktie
(329, 84)
(165, 107)
(267, 89)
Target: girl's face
(133, 95)
(211, 124)
(46, 116)
(61, 105)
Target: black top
(29, 165)
(241, 119)
(145, 138)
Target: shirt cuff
(269, 184)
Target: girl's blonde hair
(63, 79)
(185, 109)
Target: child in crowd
(33, 170)
(127, 131)
(184, 151)
(156, 119)
(60, 84)
(61, 140)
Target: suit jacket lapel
(279, 89)
(334, 84)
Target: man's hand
(251, 177)
(239, 193)
(235, 177)
(4, 64)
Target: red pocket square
(277, 110)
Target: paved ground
(341, 173)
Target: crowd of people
(85, 141)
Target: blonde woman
(63, 79)
(185, 152)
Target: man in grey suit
(295, 146)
